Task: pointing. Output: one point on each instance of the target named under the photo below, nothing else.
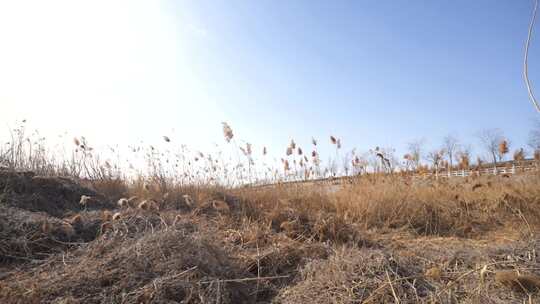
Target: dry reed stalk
(85, 199)
(292, 145)
(104, 227)
(132, 200)
(75, 220)
(221, 206)
(188, 200)
(286, 166)
(144, 205)
(106, 216)
(67, 229)
(289, 151)
(333, 140)
(46, 227)
(123, 202)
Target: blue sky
(374, 73)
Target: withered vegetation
(379, 237)
(376, 240)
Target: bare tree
(464, 157)
(436, 159)
(415, 152)
(451, 146)
(534, 137)
(519, 155)
(490, 140)
(346, 162)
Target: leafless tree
(415, 151)
(346, 162)
(534, 137)
(519, 155)
(451, 146)
(464, 157)
(436, 158)
(490, 140)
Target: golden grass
(425, 207)
(371, 240)
(518, 282)
(193, 235)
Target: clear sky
(374, 73)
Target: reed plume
(289, 151)
(292, 145)
(227, 132)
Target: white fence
(504, 168)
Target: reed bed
(193, 227)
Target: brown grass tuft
(104, 227)
(434, 273)
(46, 227)
(477, 186)
(67, 229)
(75, 220)
(106, 216)
(144, 205)
(518, 282)
(221, 206)
(123, 202)
(132, 200)
(116, 216)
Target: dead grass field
(377, 240)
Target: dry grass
(161, 237)
(425, 207)
(379, 240)
(353, 276)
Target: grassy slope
(375, 240)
